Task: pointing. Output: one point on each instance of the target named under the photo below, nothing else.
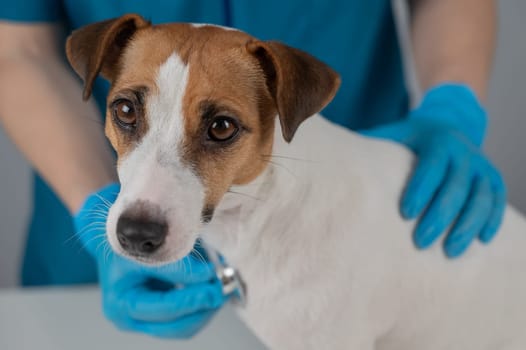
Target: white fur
(153, 170)
(330, 264)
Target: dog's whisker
(104, 201)
(190, 265)
(84, 245)
(108, 252)
(88, 227)
(72, 236)
(189, 269)
(95, 230)
(286, 157)
(98, 236)
(199, 256)
(98, 207)
(104, 254)
(182, 262)
(244, 194)
(97, 210)
(101, 243)
(77, 236)
(92, 231)
(104, 204)
(101, 247)
(278, 165)
(97, 216)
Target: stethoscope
(230, 278)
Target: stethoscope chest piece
(232, 284)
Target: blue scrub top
(355, 37)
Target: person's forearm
(453, 41)
(62, 137)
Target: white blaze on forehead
(164, 114)
(165, 110)
(154, 172)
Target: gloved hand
(454, 184)
(173, 301)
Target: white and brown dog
(310, 218)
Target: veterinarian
(453, 184)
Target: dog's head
(190, 112)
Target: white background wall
(506, 143)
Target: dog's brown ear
(96, 48)
(300, 84)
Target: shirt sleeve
(30, 10)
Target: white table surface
(55, 319)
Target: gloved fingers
(133, 301)
(147, 305)
(183, 328)
(429, 173)
(499, 206)
(445, 206)
(472, 218)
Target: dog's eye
(125, 114)
(222, 129)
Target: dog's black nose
(139, 236)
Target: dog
(206, 124)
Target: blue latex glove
(454, 184)
(172, 301)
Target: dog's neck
(239, 229)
